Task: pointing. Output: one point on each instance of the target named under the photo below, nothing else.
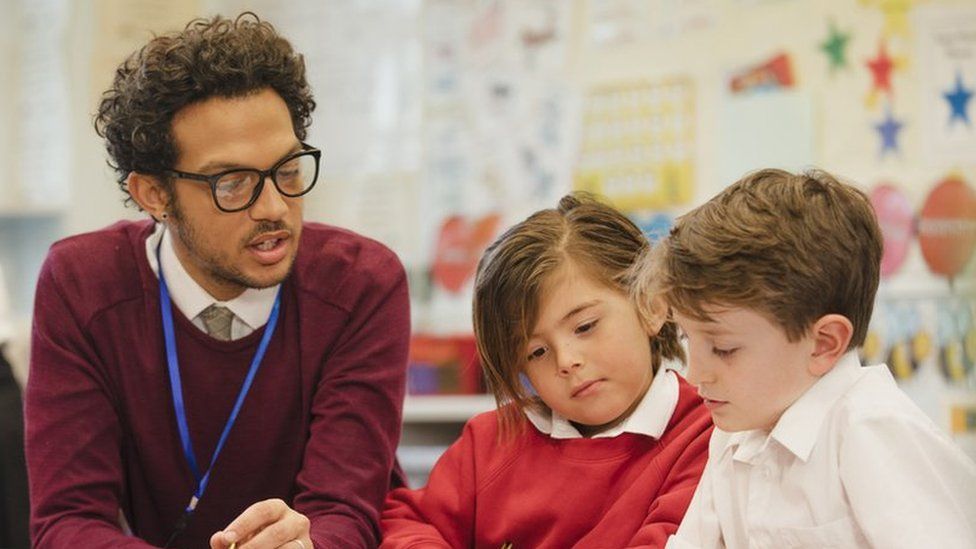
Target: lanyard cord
(172, 365)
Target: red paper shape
(777, 72)
(459, 246)
(947, 227)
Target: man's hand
(268, 524)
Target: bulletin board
(442, 122)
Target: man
(150, 407)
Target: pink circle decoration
(947, 227)
(897, 222)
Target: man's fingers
(254, 519)
(219, 541)
(292, 526)
(266, 524)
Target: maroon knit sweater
(319, 428)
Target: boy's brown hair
(793, 247)
(514, 271)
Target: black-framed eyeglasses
(235, 190)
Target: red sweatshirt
(537, 491)
(319, 427)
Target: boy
(772, 283)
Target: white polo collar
(650, 417)
(253, 306)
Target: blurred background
(444, 121)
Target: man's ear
(653, 314)
(831, 335)
(149, 193)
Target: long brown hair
(512, 274)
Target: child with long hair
(596, 442)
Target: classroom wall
(443, 121)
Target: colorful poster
(637, 144)
(955, 334)
(946, 65)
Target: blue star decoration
(958, 99)
(888, 129)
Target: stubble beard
(219, 268)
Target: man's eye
(232, 183)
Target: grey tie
(217, 320)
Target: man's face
(745, 368)
(228, 252)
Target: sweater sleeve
(668, 508)
(73, 433)
(700, 526)
(442, 513)
(356, 415)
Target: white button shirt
(852, 463)
(251, 309)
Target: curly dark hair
(218, 57)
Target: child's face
(588, 357)
(745, 368)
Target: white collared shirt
(251, 309)
(650, 417)
(852, 463)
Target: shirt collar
(650, 417)
(799, 427)
(253, 306)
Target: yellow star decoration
(895, 13)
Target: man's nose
(270, 204)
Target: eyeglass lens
(292, 178)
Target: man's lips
(264, 237)
(270, 248)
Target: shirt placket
(762, 476)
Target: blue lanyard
(176, 385)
